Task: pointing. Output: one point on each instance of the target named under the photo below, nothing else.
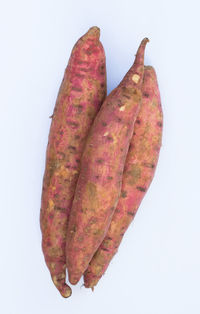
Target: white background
(157, 269)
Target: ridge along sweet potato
(81, 94)
(138, 173)
(102, 164)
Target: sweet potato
(81, 94)
(102, 164)
(138, 173)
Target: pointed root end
(94, 32)
(73, 280)
(65, 291)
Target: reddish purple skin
(81, 94)
(102, 164)
(139, 170)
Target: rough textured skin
(138, 173)
(99, 184)
(81, 94)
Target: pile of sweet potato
(101, 158)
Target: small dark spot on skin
(102, 69)
(145, 94)
(126, 96)
(119, 105)
(140, 188)
(79, 75)
(88, 51)
(112, 208)
(82, 62)
(72, 149)
(134, 133)
(77, 137)
(104, 249)
(51, 216)
(67, 166)
(109, 238)
(159, 124)
(67, 180)
(121, 149)
(84, 69)
(78, 161)
(138, 121)
(97, 177)
(104, 123)
(109, 138)
(61, 132)
(102, 85)
(100, 161)
(77, 89)
(73, 124)
(79, 108)
(109, 178)
(121, 234)
(59, 208)
(123, 194)
(131, 213)
(149, 165)
(119, 119)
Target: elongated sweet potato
(81, 94)
(102, 164)
(138, 173)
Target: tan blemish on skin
(51, 204)
(105, 134)
(135, 78)
(99, 269)
(65, 172)
(122, 108)
(53, 266)
(55, 280)
(134, 174)
(114, 139)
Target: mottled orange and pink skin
(99, 184)
(139, 170)
(81, 94)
